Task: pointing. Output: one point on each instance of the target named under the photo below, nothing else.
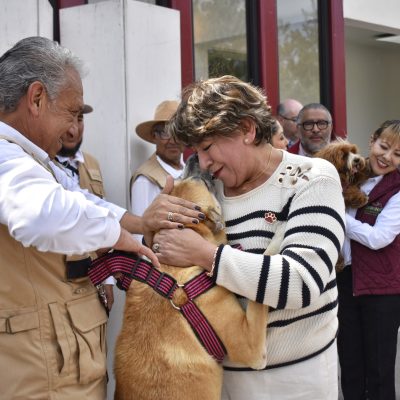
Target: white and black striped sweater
(299, 283)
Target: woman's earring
(246, 141)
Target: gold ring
(170, 216)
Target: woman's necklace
(255, 180)
(269, 158)
(263, 175)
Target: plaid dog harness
(130, 266)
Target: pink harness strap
(133, 267)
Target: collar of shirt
(175, 173)
(29, 146)
(74, 161)
(369, 184)
(302, 152)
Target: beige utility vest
(90, 177)
(152, 170)
(52, 331)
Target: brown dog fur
(352, 169)
(157, 355)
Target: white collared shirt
(144, 191)
(385, 230)
(40, 212)
(74, 162)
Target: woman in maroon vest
(369, 286)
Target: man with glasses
(287, 113)
(150, 178)
(314, 124)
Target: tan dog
(352, 169)
(158, 356)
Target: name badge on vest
(374, 209)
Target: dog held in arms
(352, 169)
(158, 355)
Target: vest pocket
(97, 189)
(79, 345)
(89, 320)
(19, 322)
(23, 368)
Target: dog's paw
(261, 362)
(364, 201)
(359, 202)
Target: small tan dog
(157, 355)
(352, 169)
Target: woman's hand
(168, 212)
(183, 248)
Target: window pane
(219, 29)
(298, 50)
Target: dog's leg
(256, 354)
(242, 331)
(256, 315)
(354, 197)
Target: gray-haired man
(52, 325)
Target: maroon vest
(377, 271)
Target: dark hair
(390, 127)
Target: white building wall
(383, 14)
(132, 50)
(23, 18)
(372, 89)
(372, 78)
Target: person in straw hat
(150, 178)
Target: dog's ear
(353, 148)
(192, 167)
(192, 170)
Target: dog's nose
(356, 160)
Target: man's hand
(127, 243)
(109, 292)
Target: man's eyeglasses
(309, 125)
(293, 119)
(161, 133)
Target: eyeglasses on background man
(309, 125)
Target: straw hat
(164, 112)
(87, 109)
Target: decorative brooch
(270, 217)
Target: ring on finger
(170, 216)
(156, 247)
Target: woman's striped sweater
(299, 283)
